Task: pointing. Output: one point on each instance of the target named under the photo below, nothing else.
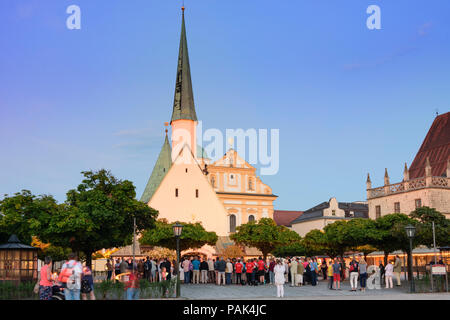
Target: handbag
(36, 288)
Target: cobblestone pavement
(319, 292)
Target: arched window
(232, 223)
(251, 218)
(213, 182)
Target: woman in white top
(389, 273)
(279, 271)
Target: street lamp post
(410, 232)
(177, 230)
(134, 242)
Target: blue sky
(347, 100)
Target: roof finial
(406, 173)
(182, 8)
(166, 124)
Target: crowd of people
(77, 280)
(297, 271)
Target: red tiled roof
(284, 218)
(436, 146)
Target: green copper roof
(183, 104)
(160, 170)
(201, 153)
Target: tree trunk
(88, 259)
(386, 255)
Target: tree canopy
(360, 235)
(98, 214)
(193, 236)
(316, 243)
(426, 216)
(25, 215)
(265, 235)
(291, 250)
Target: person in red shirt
(238, 267)
(250, 266)
(132, 285)
(261, 270)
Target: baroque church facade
(186, 186)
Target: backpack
(147, 266)
(66, 273)
(72, 281)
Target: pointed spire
(386, 177)
(368, 182)
(183, 104)
(406, 173)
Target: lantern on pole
(177, 230)
(410, 233)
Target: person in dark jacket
(168, 266)
(221, 266)
(382, 271)
(204, 271)
(147, 269)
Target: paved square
(319, 292)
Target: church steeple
(183, 104)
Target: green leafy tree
(294, 249)
(426, 216)
(360, 235)
(193, 236)
(335, 234)
(316, 243)
(264, 235)
(393, 236)
(25, 215)
(98, 214)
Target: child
(163, 274)
(164, 278)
